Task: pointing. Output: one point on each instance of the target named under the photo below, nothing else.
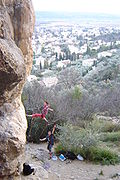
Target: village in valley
(61, 44)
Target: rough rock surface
(37, 155)
(16, 28)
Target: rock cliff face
(16, 28)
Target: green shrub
(103, 156)
(85, 142)
(113, 136)
(59, 148)
(76, 93)
(71, 137)
(36, 129)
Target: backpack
(27, 169)
(70, 155)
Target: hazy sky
(103, 6)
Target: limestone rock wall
(16, 28)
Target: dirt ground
(37, 155)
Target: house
(63, 64)
(40, 60)
(104, 54)
(83, 49)
(50, 81)
(88, 62)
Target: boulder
(16, 28)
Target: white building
(104, 54)
(88, 62)
(40, 60)
(73, 49)
(50, 81)
(83, 49)
(63, 64)
(117, 42)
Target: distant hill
(75, 17)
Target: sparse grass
(103, 156)
(113, 136)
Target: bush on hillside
(84, 142)
(101, 155)
(36, 129)
(71, 137)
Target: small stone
(72, 177)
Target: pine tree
(56, 56)
(45, 64)
(60, 57)
(40, 65)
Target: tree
(50, 64)
(43, 49)
(60, 57)
(45, 64)
(76, 94)
(40, 65)
(74, 56)
(56, 56)
(67, 55)
(69, 77)
(78, 55)
(33, 54)
(64, 56)
(95, 63)
(88, 50)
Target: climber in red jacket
(45, 110)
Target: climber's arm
(43, 139)
(45, 119)
(50, 109)
(54, 129)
